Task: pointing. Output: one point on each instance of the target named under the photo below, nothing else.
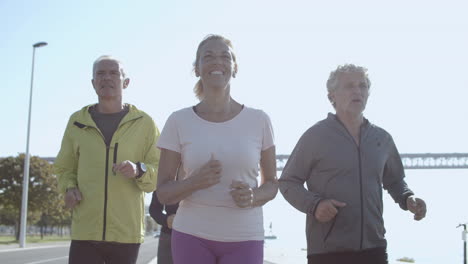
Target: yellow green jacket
(112, 206)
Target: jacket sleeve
(66, 163)
(156, 211)
(147, 182)
(297, 171)
(393, 177)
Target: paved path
(57, 253)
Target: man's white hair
(110, 58)
(332, 82)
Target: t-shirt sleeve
(268, 135)
(169, 138)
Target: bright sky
(416, 53)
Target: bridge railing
(435, 161)
(415, 160)
(409, 160)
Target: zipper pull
(116, 146)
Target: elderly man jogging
(106, 163)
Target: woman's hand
(242, 194)
(207, 175)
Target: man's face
(108, 80)
(351, 93)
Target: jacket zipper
(106, 185)
(105, 194)
(358, 147)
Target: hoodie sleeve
(393, 177)
(66, 163)
(156, 209)
(297, 171)
(147, 182)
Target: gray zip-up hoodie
(335, 167)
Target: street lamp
(464, 233)
(24, 200)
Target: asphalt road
(57, 253)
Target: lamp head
(40, 44)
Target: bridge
(415, 160)
(410, 161)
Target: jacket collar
(332, 120)
(84, 117)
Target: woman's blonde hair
(198, 89)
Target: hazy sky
(416, 53)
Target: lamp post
(24, 200)
(464, 233)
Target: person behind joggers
(345, 160)
(107, 161)
(164, 215)
(221, 144)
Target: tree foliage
(44, 200)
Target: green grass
(406, 259)
(6, 240)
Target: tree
(54, 212)
(7, 215)
(42, 189)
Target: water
(434, 240)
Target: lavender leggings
(188, 249)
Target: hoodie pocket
(330, 229)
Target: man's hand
(242, 194)
(417, 206)
(127, 168)
(170, 220)
(327, 209)
(72, 197)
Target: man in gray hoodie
(345, 160)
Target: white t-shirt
(237, 143)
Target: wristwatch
(141, 169)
